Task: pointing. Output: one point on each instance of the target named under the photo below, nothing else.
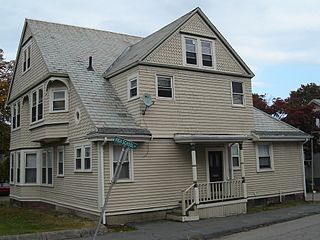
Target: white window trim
(131, 166)
(82, 146)
(60, 149)
(38, 167)
(131, 78)
(172, 87)
(198, 52)
(243, 94)
(23, 49)
(12, 168)
(65, 99)
(37, 103)
(235, 167)
(16, 167)
(271, 158)
(46, 150)
(12, 113)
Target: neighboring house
(315, 148)
(202, 148)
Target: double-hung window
(37, 105)
(235, 156)
(60, 161)
(16, 111)
(126, 170)
(26, 58)
(59, 101)
(12, 167)
(83, 158)
(264, 157)
(46, 167)
(30, 168)
(191, 50)
(18, 165)
(133, 88)
(164, 87)
(237, 93)
(198, 52)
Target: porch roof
(209, 138)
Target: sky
(279, 40)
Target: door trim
(224, 155)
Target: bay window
(37, 105)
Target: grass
(275, 206)
(24, 220)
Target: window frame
(130, 79)
(16, 115)
(18, 167)
(38, 167)
(112, 161)
(243, 94)
(26, 57)
(172, 87)
(12, 169)
(270, 148)
(52, 91)
(37, 90)
(82, 158)
(238, 156)
(46, 151)
(60, 149)
(199, 52)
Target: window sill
(265, 170)
(45, 185)
(124, 181)
(83, 171)
(15, 129)
(24, 72)
(166, 99)
(35, 122)
(134, 98)
(236, 168)
(238, 105)
(60, 111)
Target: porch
(223, 193)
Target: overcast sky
(278, 39)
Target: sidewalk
(210, 228)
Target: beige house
(203, 150)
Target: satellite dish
(147, 100)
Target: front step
(175, 215)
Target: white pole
(194, 173)
(243, 174)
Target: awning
(209, 138)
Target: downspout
(303, 169)
(101, 176)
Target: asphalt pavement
(306, 228)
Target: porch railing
(222, 190)
(188, 199)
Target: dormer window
(198, 52)
(58, 100)
(26, 57)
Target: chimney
(90, 68)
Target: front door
(215, 166)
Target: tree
(6, 74)
(260, 102)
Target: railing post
(194, 173)
(243, 175)
(183, 204)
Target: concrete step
(180, 218)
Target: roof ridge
(86, 28)
(277, 120)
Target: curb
(56, 235)
(248, 228)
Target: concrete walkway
(211, 228)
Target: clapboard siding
(170, 52)
(37, 70)
(202, 103)
(287, 175)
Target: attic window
(198, 52)
(26, 58)
(133, 87)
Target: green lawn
(276, 206)
(23, 220)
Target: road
(307, 228)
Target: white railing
(223, 190)
(188, 199)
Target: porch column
(194, 172)
(243, 174)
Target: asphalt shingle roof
(66, 49)
(266, 125)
